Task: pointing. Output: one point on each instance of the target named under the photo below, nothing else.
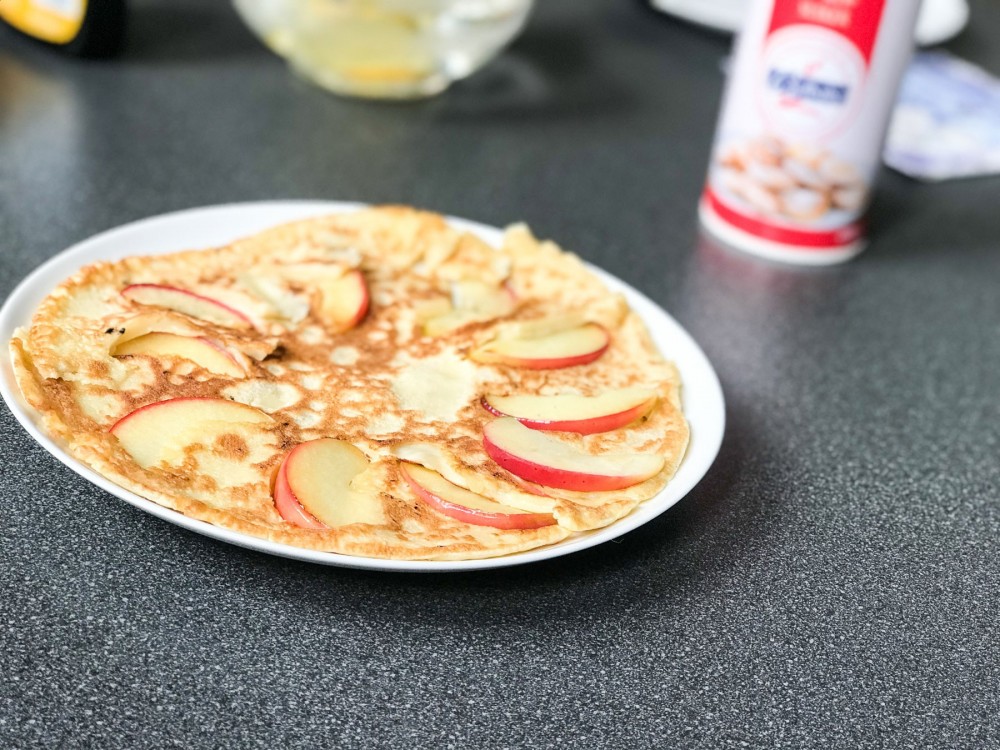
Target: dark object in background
(85, 28)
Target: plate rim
(68, 261)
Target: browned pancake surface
(316, 382)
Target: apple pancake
(376, 384)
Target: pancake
(281, 385)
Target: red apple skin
(506, 521)
(557, 363)
(333, 289)
(557, 478)
(359, 279)
(203, 298)
(528, 487)
(215, 345)
(287, 504)
(591, 426)
(122, 420)
(222, 350)
(156, 405)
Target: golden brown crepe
(398, 385)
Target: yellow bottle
(87, 28)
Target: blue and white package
(946, 122)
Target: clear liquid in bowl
(394, 49)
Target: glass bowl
(385, 49)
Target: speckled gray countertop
(831, 583)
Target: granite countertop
(832, 582)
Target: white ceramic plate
(939, 20)
(216, 225)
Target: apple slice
(153, 321)
(478, 297)
(450, 321)
(572, 413)
(428, 309)
(468, 507)
(528, 487)
(202, 351)
(547, 461)
(344, 302)
(287, 504)
(189, 303)
(472, 301)
(313, 486)
(576, 346)
(160, 432)
(537, 327)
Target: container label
(812, 81)
(855, 20)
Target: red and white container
(811, 87)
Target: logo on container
(810, 83)
(796, 86)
